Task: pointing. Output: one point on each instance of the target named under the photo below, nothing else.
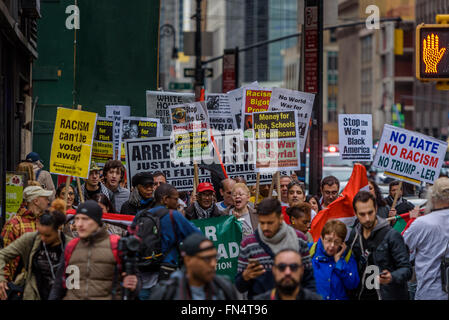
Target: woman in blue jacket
(334, 267)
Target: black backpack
(148, 229)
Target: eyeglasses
(208, 259)
(283, 266)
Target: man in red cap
(205, 206)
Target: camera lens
(133, 244)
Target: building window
(367, 49)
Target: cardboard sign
(134, 127)
(409, 156)
(158, 103)
(190, 132)
(254, 100)
(72, 142)
(355, 134)
(277, 141)
(153, 154)
(226, 234)
(117, 113)
(103, 146)
(284, 99)
(219, 111)
(15, 183)
(235, 98)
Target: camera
(129, 247)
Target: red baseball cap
(205, 186)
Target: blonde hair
(240, 186)
(26, 167)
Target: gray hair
(438, 193)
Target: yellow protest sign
(72, 142)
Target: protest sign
(226, 234)
(158, 103)
(277, 141)
(235, 98)
(409, 156)
(153, 154)
(117, 113)
(134, 127)
(15, 183)
(219, 111)
(190, 131)
(284, 99)
(103, 146)
(355, 134)
(254, 100)
(72, 142)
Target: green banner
(226, 234)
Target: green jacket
(26, 247)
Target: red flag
(341, 208)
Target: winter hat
(191, 244)
(91, 209)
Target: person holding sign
(402, 205)
(257, 251)
(205, 206)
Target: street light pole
(199, 76)
(167, 30)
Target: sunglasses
(283, 266)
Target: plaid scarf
(203, 213)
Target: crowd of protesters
(58, 245)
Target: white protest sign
(117, 113)
(158, 103)
(284, 99)
(154, 154)
(219, 110)
(190, 131)
(409, 156)
(355, 134)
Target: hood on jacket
(381, 223)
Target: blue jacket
(183, 229)
(333, 279)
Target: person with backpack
(40, 253)
(334, 267)
(162, 246)
(378, 248)
(197, 280)
(91, 266)
(141, 197)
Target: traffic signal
(432, 54)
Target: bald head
(226, 191)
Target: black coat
(389, 252)
(129, 208)
(192, 214)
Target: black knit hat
(191, 244)
(91, 209)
